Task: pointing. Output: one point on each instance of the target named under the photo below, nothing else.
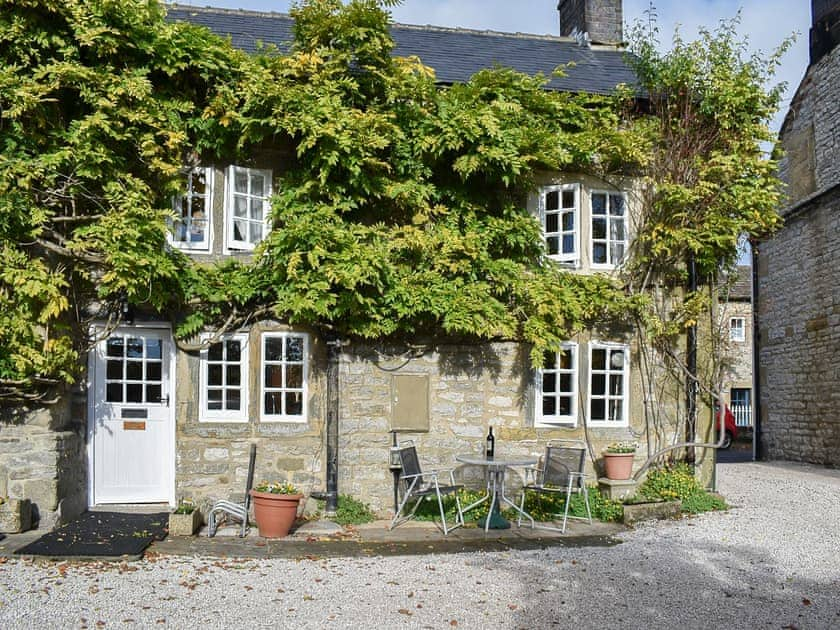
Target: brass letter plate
(133, 426)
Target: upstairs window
(609, 229)
(557, 388)
(224, 383)
(247, 208)
(284, 369)
(609, 368)
(737, 330)
(191, 225)
(559, 215)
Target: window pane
(240, 181)
(599, 204)
(240, 206)
(568, 221)
(569, 244)
(599, 359)
(153, 371)
(134, 370)
(549, 406)
(615, 410)
(256, 209)
(214, 352)
(599, 253)
(113, 392)
(549, 383)
(294, 376)
(617, 252)
(134, 393)
(616, 384)
(154, 349)
(114, 370)
(233, 400)
(565, 405)
(617, 359)
(255, 232)
(274, 376)
(273, 403)
(257, 185)
(565, 382)
(568, 198)
(135, 348)
(549, 360)
(552, 200)
(234, 350)
(597, 409)
(599, 228)
(616, 205)
(552, 221)
(599, 382)
(552, 245)
(294, 403)
(273, 348)
(115, 347)
(214, 399)
(233, 375)
(214, 375)
(617, 229)
(294, 348)
(566, 359)
(153, 393)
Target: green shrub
(545, 507)
(678, 482)
(350, 511)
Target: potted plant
(275, 507)
(618, 460)
(185, 519)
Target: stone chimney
(825, 27)
(601, 20)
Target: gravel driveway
(773, 561)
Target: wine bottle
(491, 444)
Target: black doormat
(101, 534)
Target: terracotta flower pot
(275, 513)
(618, 465)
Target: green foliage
(401, 209)
(546, 507)
(668, 483)
(276, 487)
(622, 447)
(351, 511)
(185, 506)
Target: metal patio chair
(562, 470)
(223, 509)
(418, 485)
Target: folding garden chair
(418, 485)
(223, 509)
(561, 471)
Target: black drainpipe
(691, 366)
(333, 358)
(758, 452)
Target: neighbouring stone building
(737, 334)
(798, 281)
(154, 424)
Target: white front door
(133, 437)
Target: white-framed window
(283, 380)
(609, 374)
(559, 208)
(557, 388)
(224, 380)
(247, 207)
(191, 229)
(609, 228)
(737, 329)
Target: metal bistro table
(496, 486)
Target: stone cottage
(154, 424)
(737, 322)
(798, 285)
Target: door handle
(165, 400)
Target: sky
(765, 23)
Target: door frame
(169, 457)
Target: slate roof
(455, 54)
(741, 290)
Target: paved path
(773, 561)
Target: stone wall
(799, 291)
(738, 355)
(799, 320)
(42, 458)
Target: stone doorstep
(634, 513)
(15, 516)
